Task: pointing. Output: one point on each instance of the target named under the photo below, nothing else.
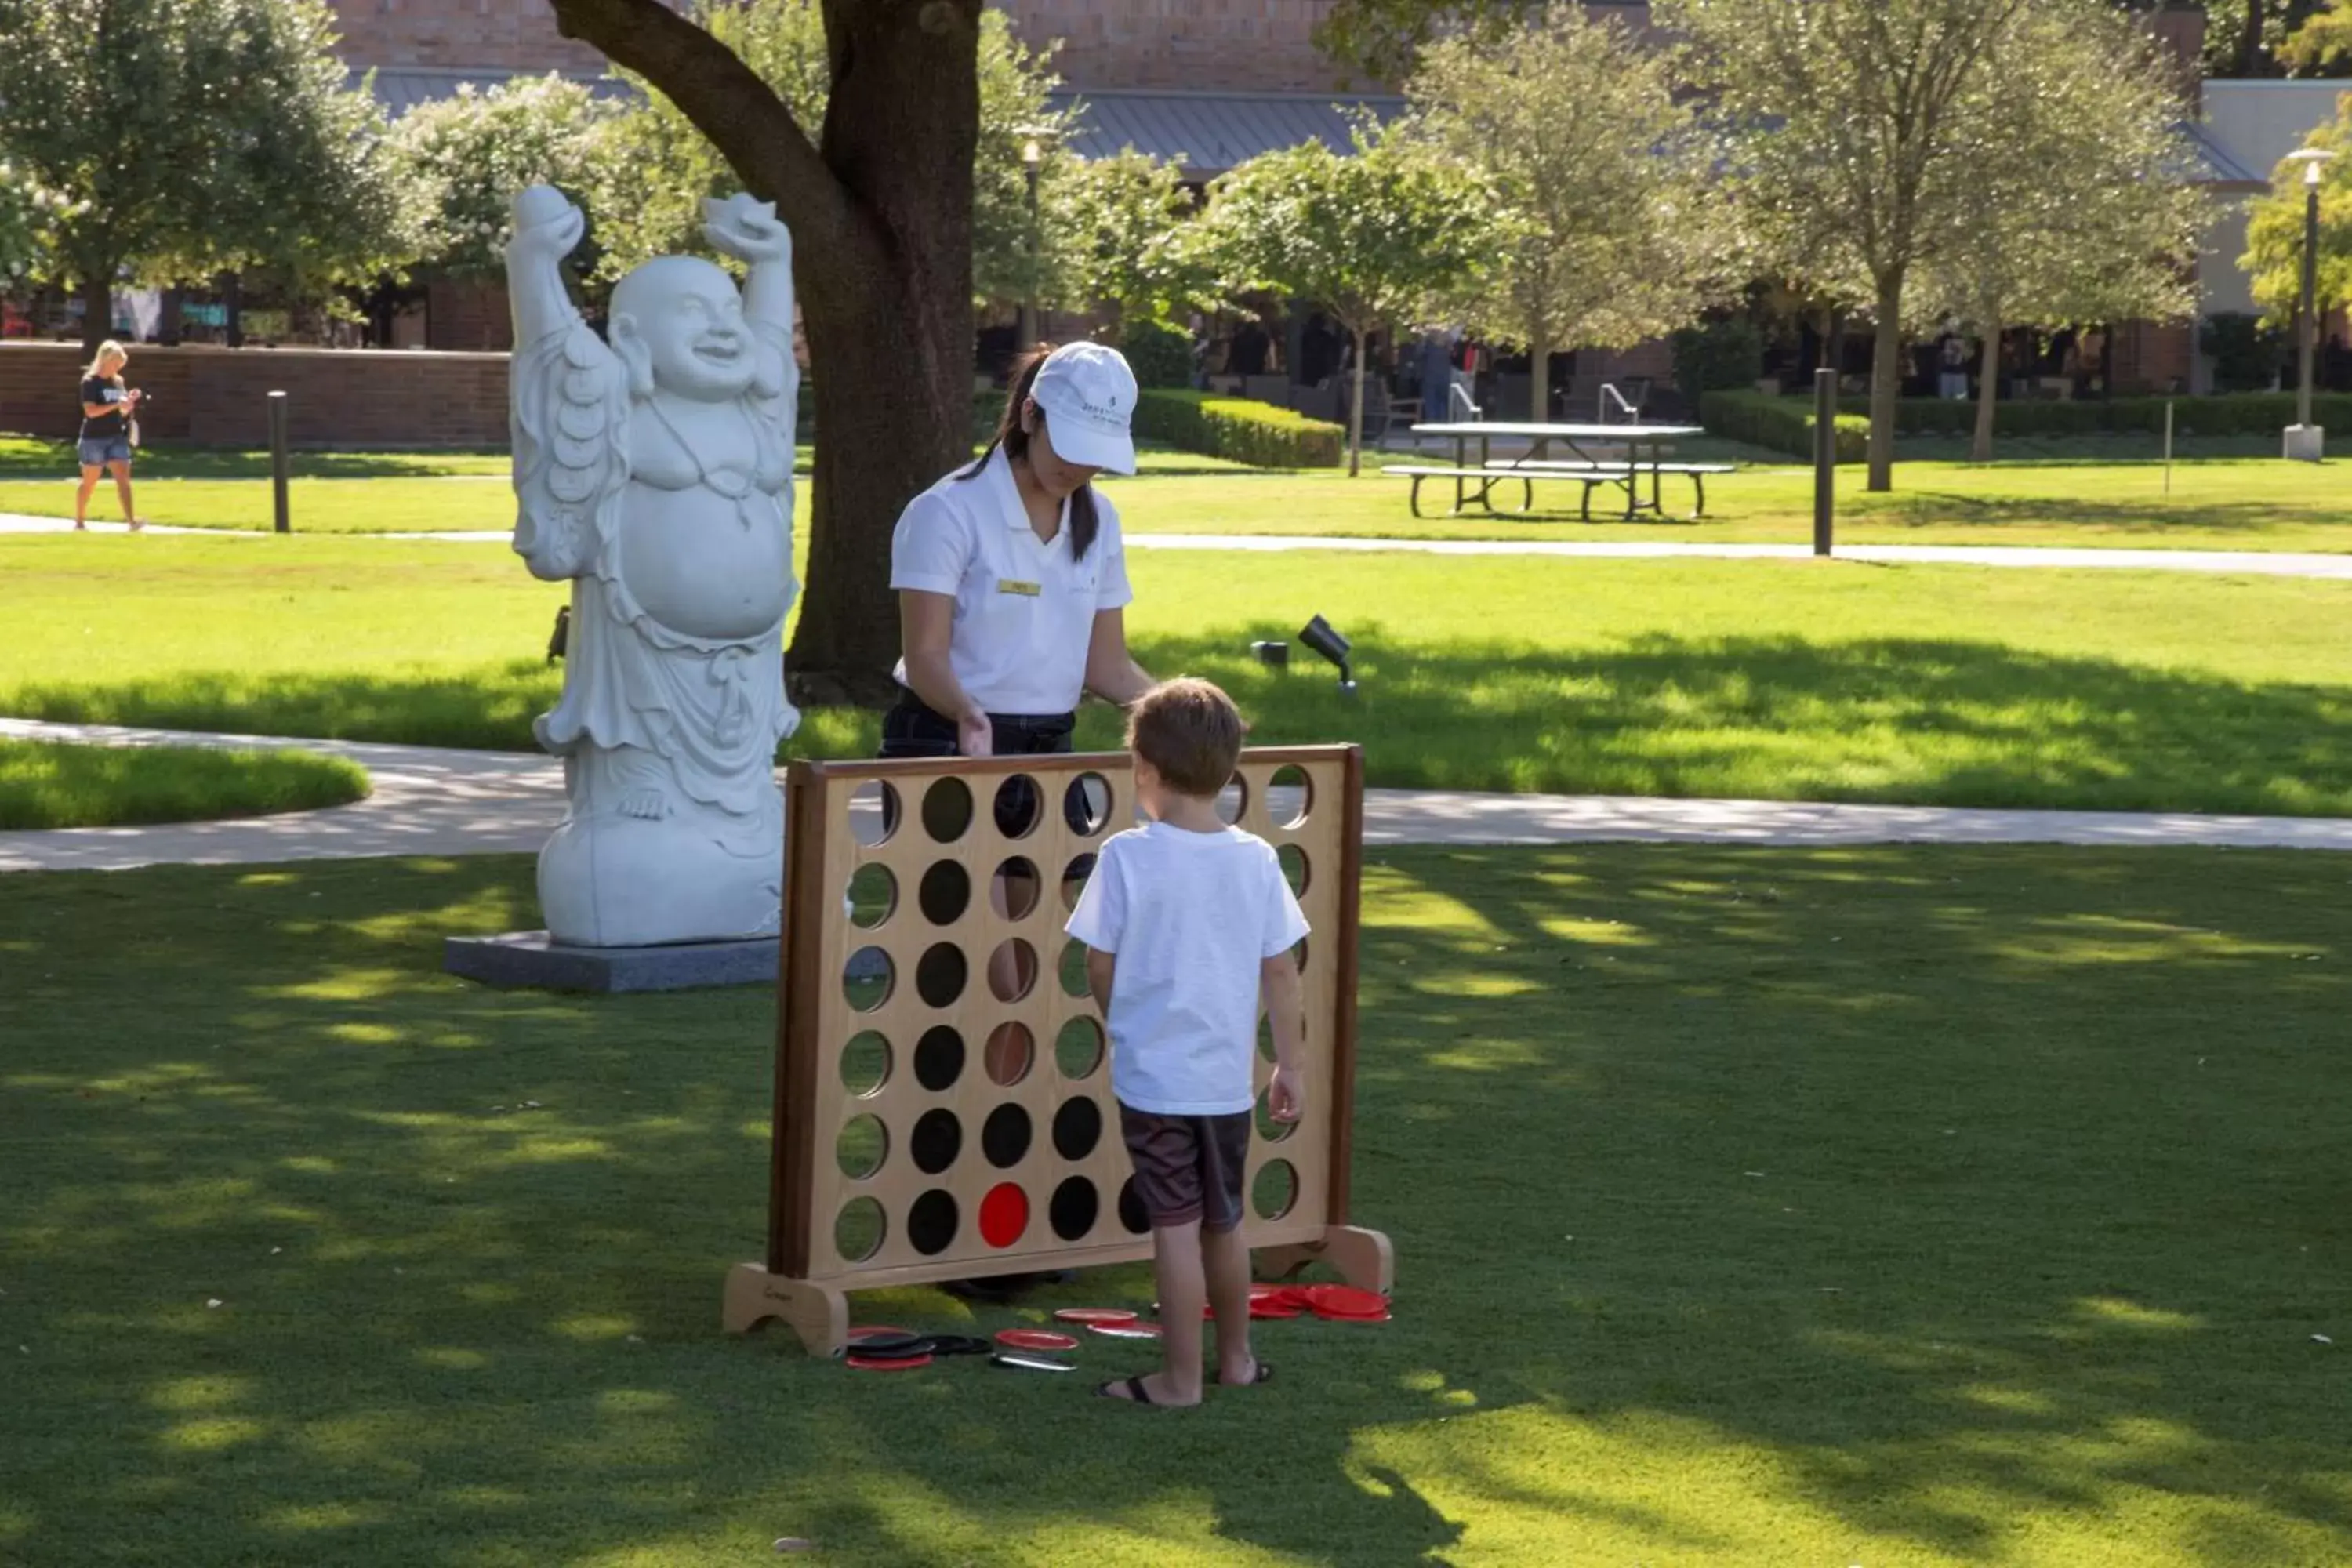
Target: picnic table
(1641, 452)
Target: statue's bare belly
(689, 561)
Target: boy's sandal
(1264, 1374)
(1136, 1392)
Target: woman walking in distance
(106, 409)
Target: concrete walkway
(2243, 562)
(429, 801)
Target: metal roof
(1209, 133)
(2207, 162)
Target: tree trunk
(883, 261)
(2249, 41)
(1538, 372)
(97, 308)
(1989, 382)
(1356, 411)
(1885, 382)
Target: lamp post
(2305, 440)
(1033, 159)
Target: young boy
(1188, 924)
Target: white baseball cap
(1087, 393)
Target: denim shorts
(97, 451)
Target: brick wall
(468, 315)
(219, 397)
(457, 35)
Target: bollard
(2168, 445)
(1824, 459)
(278, 462)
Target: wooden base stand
(1363, 1257)
(817, 1313)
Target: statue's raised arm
(749, 231)
(569, 399)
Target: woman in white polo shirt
(1012, 577)
(1012, 583)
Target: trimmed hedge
(1239, 429)
(1779, 423)
(1785, 423)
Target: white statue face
(688, 320)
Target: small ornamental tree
(1120, 231)
(2274, 229)
(1600, 235)
(464, 157)
(1370, 237)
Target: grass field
(1773, 680)
(1918, 1206)
(51, 785)
(2237, 503)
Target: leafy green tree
(463, 158)
(1598, 234)
(1372, 238)
(1119, 232)
(2080, 211)
(2273, 255)
(662, 166)
(189, 137)
(2322, 46)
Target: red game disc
(1091, 1315)
(1270, 1307)
(1343, 1301)
(1128, 1330)
(1035, 1340)
(864, 1363)
(1003, 1214)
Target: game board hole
(873, 894)
(1074, 879)
(946, 810)
(1073, 1209)
(1274, 1190)
(944, 893)
(1085, 804)
(1077, 1128)
(867, 978)
(1270, 1130)
(873, 813)
(1233, 800)
(932, 1222)
(858, 1229)
(864, 1063)
(939, 1058)
(1078, 1049)
(1293, 860)
(1298, 955)
(1288, 796)
(1020, 805)
(1019, 888)
(1131, 1211)
(939, 975)
(1265, 1037)
(935, 1142)
(1004, 1136)
(1010, 1051)
(862, 1147)
(1073, 969)
(1003, 1214)
(1011, 970)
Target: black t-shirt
(102, 426)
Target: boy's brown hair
(1191, 731)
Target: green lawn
(1919, 1206)
(2235, 503)
(1773, 680)
(43, 784)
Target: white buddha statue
(656, 474)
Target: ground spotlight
(1273, 654)
(1319, 635)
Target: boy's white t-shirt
(1190, 916)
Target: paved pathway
(2248, 563)
(429, 801)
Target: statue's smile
(719, 350)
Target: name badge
(1012, 586)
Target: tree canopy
(2274, 229)
(462, 159)
(190, 137)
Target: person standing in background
(108, 408)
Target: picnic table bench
(1620, 454)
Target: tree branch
(727, 101)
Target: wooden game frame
(805, 1278)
